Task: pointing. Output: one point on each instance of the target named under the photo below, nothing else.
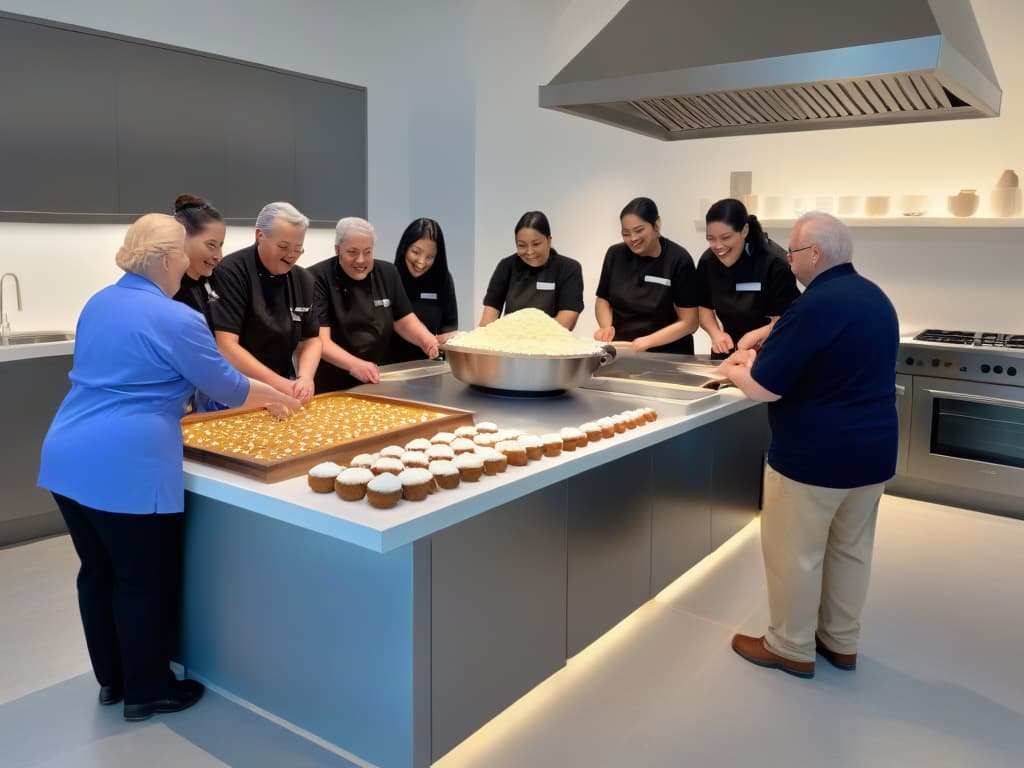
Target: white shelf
(892, 222)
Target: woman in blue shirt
(113, 461)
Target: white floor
(938, 682)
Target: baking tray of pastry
(332, 427)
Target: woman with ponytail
(744, 282)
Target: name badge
(428, 296)
(296, 313)
(211, 295)
(658, 280)
(748, 286)
(545, 286)
(382, 302)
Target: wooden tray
(271, 470)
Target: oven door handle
(975, 398)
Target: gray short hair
(353, 225)
(149, 238)
(830, 235)
(285, 211)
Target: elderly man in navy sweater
(827, 371)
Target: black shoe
(182, 695)
(110, 694)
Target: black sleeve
(449, 308)
(306, 290)
(604, 282)
(780, 289)
(705, 298)
(497, 288)
(227, 313)
(684, 281)
(400, 304)
(321, 292)
(570, 286)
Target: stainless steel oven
(962, 419)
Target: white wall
(581, 173)
(455, 133)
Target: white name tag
(382, 302)
(429, 296)
(748, 286)
(545, 286)
(658, 280)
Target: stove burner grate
(973, 338)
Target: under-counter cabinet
(30, 392)
(397, 655)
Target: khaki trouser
(817, 545)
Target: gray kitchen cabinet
(260, 132)
(31, 390)
(97, 124)
(681, 505)
(330, 178)
(170, 132)
(58, 130)
(740, 442)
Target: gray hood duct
(687, 69)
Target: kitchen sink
(35, 337)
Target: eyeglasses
(791, 251)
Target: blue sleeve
(194, 354)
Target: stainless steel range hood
(684, 69)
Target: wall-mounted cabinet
(100, 125)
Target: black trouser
(127, 594)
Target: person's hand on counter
(605, 335)
(722, 344)
(365, 371)
(641, 344)
(430, 347)
(303, 389)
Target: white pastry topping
(325, 469)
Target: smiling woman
(422, 262)
(743, 282)
(646, 293)
(204, 239)
(536, 275)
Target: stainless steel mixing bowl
(524, 373)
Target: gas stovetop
(973, 338)
(965, 355)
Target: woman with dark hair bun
(744, 282)
(422, 263)
(646, 294)
(204, 241)
(536, 275)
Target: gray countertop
(382, 530)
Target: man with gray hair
(827, 370)
(263, 316)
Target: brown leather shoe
(754, 650)
(844, 661)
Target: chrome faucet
(5, 324)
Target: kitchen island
(394, 634)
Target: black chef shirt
(197, 294)
(745, 295)
(552, 287)
(270, 313)
(644, 292)
(436, 308)
(360, 313)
